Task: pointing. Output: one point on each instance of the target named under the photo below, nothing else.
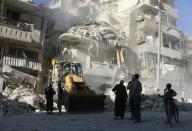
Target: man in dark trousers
(120, 99)
(61, 97)
(137, 89)
(49, 92)
(131, 103)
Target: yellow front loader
(79, 96)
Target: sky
(185, 13)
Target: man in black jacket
(49, 92)
(137, 89)
(131, 103)
(120, 99)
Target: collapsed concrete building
(22, 32)
(80, 25)
(147, 23)
(138, 21)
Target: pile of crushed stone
(152, 100)
(24, 95)
(11, 107)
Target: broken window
(11, 14)
(175, 45)
(22, 53)
(165, 41)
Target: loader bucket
(84, 103)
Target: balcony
(171, 11)
(148, 25)
(171, 31)
(153, 48)
(149, 4)
(21, 62)
(17, 31)
(153, 4)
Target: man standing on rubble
(120, 99)
(131, 103)
(49, 92)
(137, 89)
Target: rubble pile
(184, 106)
(23, 94)
(152, 100)
(109, 100)
(152, 103)
(106, 89)
(150, 90)
(17, 87)
(100, 32)
(11, 107)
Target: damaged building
(144, 23)
(99, 49)
(148, 24)
(22, 31)
(94, 43)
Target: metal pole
(2, 6)
(159, 49)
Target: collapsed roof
(101, 32)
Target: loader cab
(73, 68)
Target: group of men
(135, 89)
(50, 92)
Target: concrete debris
(109, 100)
(151, 100)
(101, 32)
(18, 87)
(110, 96)
(152, 103)
(150, 90)
(23, 94)
(15, 77)
(11, 107)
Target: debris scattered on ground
(18, 92)
(11, 107)
(23, 94)
(151, 100)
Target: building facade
(143, 18)
(22, 32)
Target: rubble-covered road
(152, 121)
